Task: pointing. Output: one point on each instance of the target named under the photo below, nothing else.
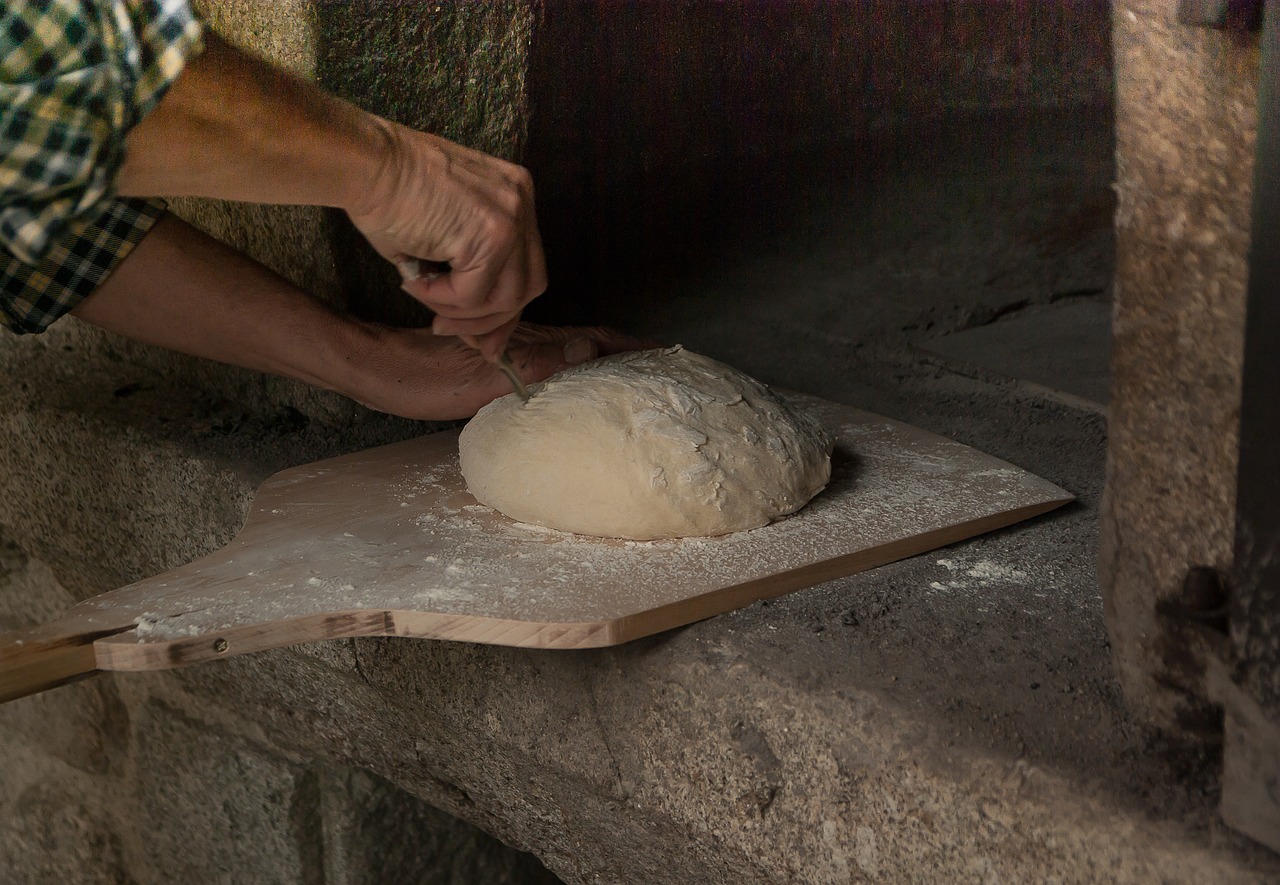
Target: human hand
(417, 374)
(256, 133)
(440, 202)
(179, 288)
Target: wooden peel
(387, 542)
(40, 658)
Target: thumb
(540, 360)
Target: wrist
(355, 361)
(368, 166)
(332, 355)
(394, 164)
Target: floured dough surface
(651, 444)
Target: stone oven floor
(952, 717)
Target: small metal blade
(423, 269)
(504, 363)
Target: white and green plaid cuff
(75, 77)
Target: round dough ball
(649, 444)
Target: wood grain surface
(387, 542)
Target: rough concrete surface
(1185, 134)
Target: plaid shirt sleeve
(75, 77)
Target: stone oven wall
(646, 113)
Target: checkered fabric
(75, 77)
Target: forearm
(185, 291)
(234, 127)
(181, 289)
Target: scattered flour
(978, 575)
(447, 555)
(153, 625)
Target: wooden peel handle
(35, 660)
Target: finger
(463, 290)
(492, 344)
(414, 269)
(493, 284)
(433, 294)
(535, 259)
(441, 294)
(608, 341)
(511, 289)
(478, 327)
(611, 341)
(537, 362)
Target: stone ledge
(948, 716)
(119, 473)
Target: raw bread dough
(649, 444)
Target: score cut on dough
(649, 444)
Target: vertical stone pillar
(1186, 122)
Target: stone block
(376, 833)
(209, 807)
(1185, 135)
(91, 500)
(29, 593)
(870, 728)
(57, 829)
(83, 726)
(62, 753)
(727, 753)
(97, 788)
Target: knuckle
(512, 202)
(498, 229)
(522, 178)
